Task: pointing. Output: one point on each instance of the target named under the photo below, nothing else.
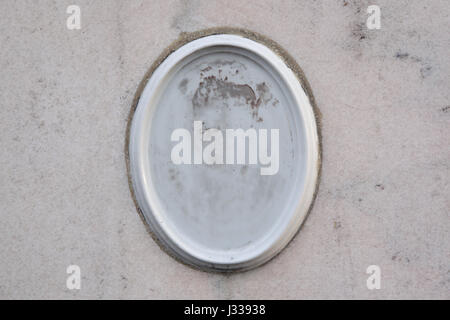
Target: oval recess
(231, 216)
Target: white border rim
(144, 191)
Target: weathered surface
(384, 193)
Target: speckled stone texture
(384, 196)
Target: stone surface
(384, 196)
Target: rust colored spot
(212, 88)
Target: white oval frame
(144, 190)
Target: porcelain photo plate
(230, 213)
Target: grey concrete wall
(384, 197)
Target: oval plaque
(224, 152)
